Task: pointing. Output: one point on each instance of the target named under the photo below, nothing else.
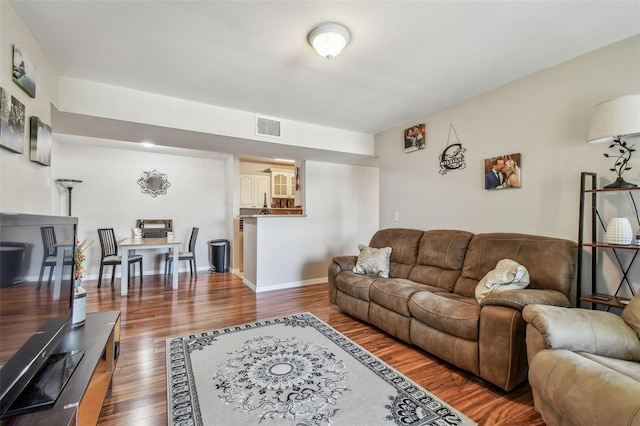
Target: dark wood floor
(153, 312)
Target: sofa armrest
(346, 263)
(518, 299)
(582, 330)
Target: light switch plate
(396, 216)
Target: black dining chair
(109, 248)
(184, 255)
(50, 252)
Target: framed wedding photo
(503, 172)
(415, 138)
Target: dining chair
(109, 248)
(49, 253)
(188, 255)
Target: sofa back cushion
(551, 262)
(440, 258)
(404, 245)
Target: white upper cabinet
(253, 189)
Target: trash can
(12, 260)
(219, 255)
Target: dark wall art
(12, 123)
(503, 171)
(41, 140)
(415, 138)
(24, 72)
(452, 158)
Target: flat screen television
(33, 320)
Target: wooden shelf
(611, 190)
(613, 246)
(613, 301)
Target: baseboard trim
(283, 286)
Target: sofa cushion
(404, 244)
(373, 261)
(440, 258)
(631, 314)
(355, 285)
(628, 368)
(394, 293)
(450, 313)
(551, 262)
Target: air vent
(268, 127)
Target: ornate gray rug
(295, 370)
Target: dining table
(132, 244)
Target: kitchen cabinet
(253, 188)
(283, 183)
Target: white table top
(147, 242)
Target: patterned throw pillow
(373, 261)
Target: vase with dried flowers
(80, 294)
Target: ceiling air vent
(268, 127)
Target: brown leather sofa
(585, 365)
(429, 298)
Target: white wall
(110, 197)
(546, 118)
(25, 186)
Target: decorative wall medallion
(154, 183)
(452, 158)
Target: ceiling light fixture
(329, 39)
(147, 144)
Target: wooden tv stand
(81, 399)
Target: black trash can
(219, 255)
(12, 261)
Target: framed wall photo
(11, 123)
(503, 171)
(41, 140)
(415, 138)
(24, 72)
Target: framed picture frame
(12, 120)
(415, 138)
(503, 171)
(41, 140)
(24, 72)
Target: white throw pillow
(507, 275)
(373, 261)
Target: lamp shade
(617, 117)
(329, 39)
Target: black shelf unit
(596, 298)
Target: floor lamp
(69, 184)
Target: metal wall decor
(452, 158)
(154, 183)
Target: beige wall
(546, 118)
(26, 186)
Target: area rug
(295, 370)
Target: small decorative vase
(619, 231)
(79, 305)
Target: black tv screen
(33, 318)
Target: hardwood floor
(153, 312)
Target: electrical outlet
(396, 216)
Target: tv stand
(81, 399)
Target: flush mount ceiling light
(329, 38)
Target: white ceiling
(406, 58)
